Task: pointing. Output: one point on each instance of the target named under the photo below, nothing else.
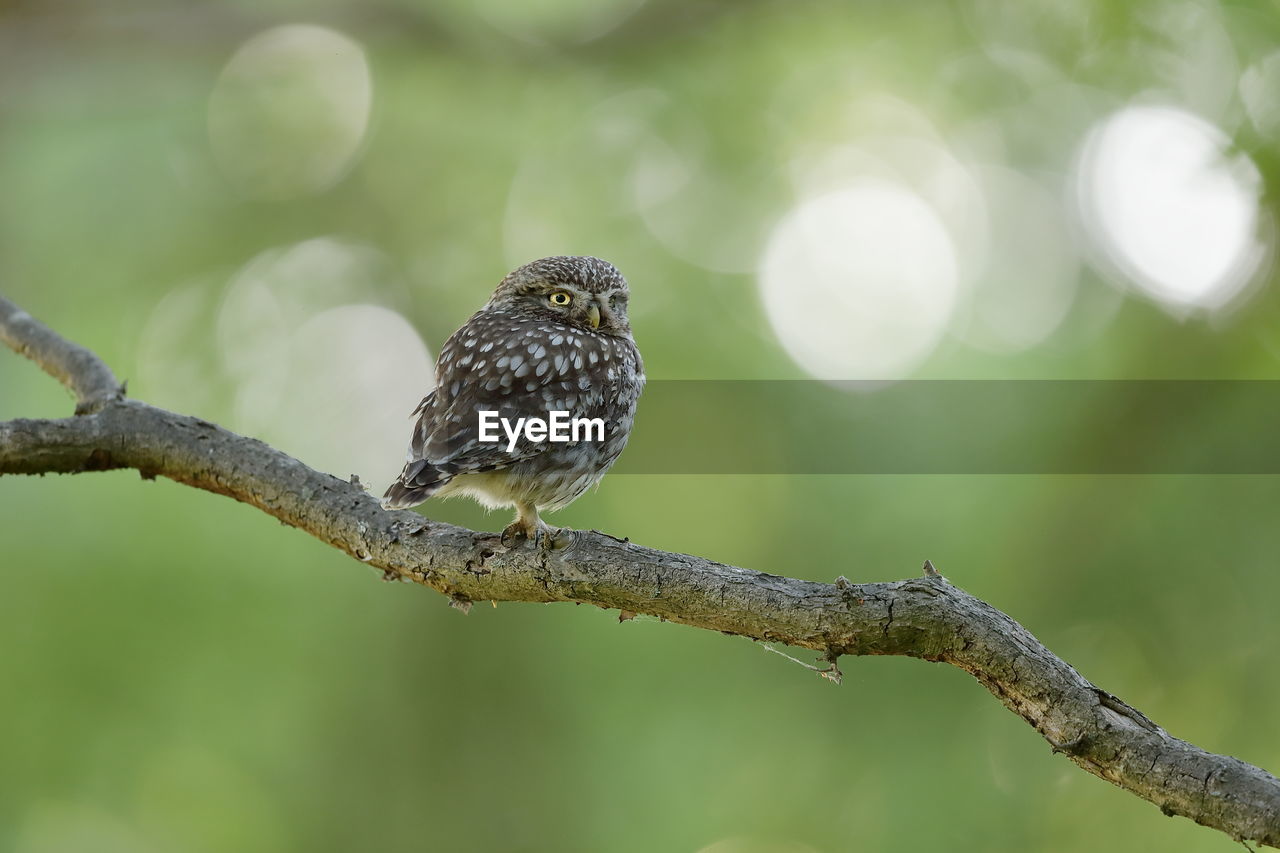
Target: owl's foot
(513, 534)
(556, 538)
(529, 527)
(526, 526)
(541, 534)
(549, 538)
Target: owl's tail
(418, 481)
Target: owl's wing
(445, 443)
(448, 433)
(497, 362)
(516, 368)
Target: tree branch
(924, 617)
(80, 370)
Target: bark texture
(924, 617)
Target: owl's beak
(593, 316)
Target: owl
(553, 338)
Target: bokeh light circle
(1031, 277)
(356, 372)
(860, 282)
(1260, 93)
(317, 367)
(290, 111)
(1168, 208)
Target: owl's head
(580, 291)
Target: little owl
(553, 337)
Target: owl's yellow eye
(560, 298)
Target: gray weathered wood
(924, 617)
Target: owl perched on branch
(552, 345)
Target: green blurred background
(271, 214)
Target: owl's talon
(556, 538)
(549, 538)
(540, 534)
(513, 534)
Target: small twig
(79, 369)
(831, 672)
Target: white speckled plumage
(538, 357)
